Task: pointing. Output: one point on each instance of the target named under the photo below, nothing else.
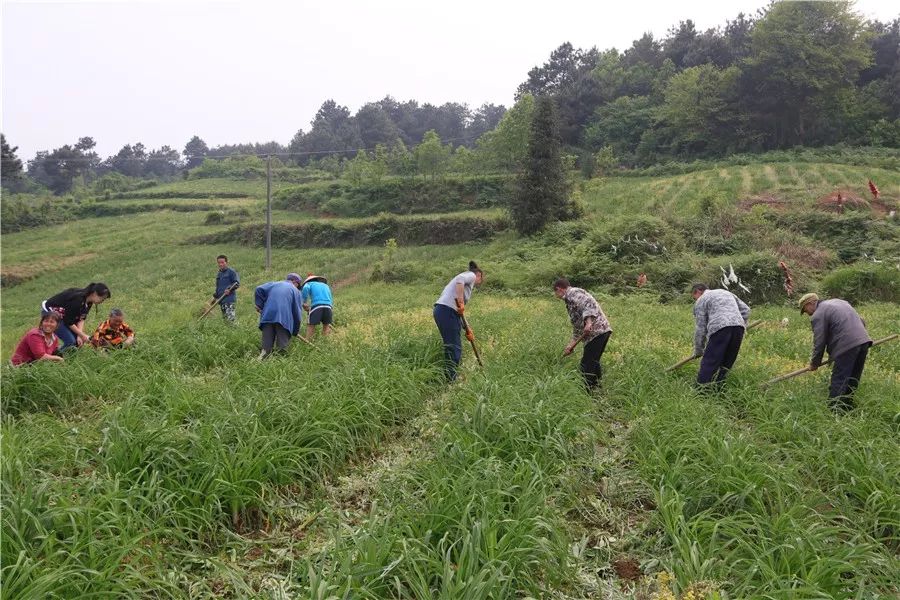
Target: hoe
(470, 335)
(209, 307)
(681, 363)
(793, 374)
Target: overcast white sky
(245, 71)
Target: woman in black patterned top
(589, 325)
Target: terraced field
(797, 184)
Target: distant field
(255, 188)
(799, 184)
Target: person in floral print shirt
(113, 332)
(589, 325)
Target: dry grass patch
(12, 276)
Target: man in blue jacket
(318, 303)
(227, 282)
(279, 305)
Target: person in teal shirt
(318, 303)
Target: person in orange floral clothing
(114, 332)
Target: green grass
(799, 184)
(186, 469)
(255, 188)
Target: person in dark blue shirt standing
(227, 282)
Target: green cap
(806, 299)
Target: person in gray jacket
(838, 328)
(721, 318)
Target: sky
(159, 72)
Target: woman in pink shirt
(39, 343)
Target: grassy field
(254, 188)
(186, 469)
(797, 184)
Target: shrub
(851, 234)
(388, 269)
(22, 212)
(319, 234)
(406, 195)
(864, 282)
(759, 278)
(635, 239)
(215, 217)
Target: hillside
(184, 468)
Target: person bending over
(73, 305)
(279, 305)
(40, 343)
(589, 325)
(721, 319)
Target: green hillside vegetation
(184, 468)
(741, 157)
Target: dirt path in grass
(610, 519)
(15, 274)
(746, 181)
(307, 522)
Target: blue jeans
(448, 323)
(66, 336)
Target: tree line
(796, 74)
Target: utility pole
(268, 212)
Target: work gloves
(470, 335)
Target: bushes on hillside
(19, 212)
(397, 196)
(850, 235)
(175, 194)
(632, 239)
(226, 217)
(863, 282)
(319, 234)
(252, 167)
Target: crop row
(154, 456)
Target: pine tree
(542, 190)
(11, 169)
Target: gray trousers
(272, 332)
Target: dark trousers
(272, 332)
(845, 376)
(590, 360)
(66, 337)
(721, 351)
(450, 326)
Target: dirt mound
(765, 200)
(841, 200)
(627, 568)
